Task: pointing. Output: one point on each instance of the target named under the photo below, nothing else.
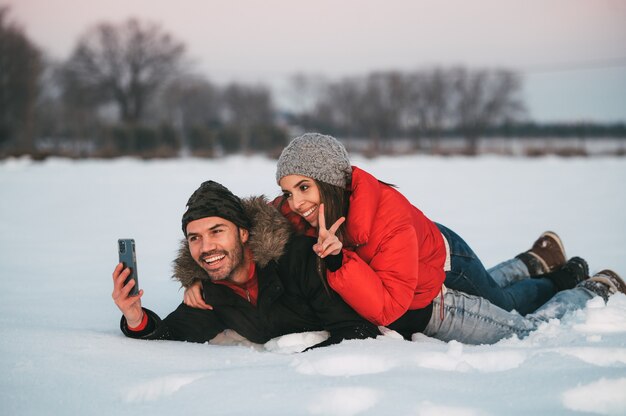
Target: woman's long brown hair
(336, 202)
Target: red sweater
(396, 256)
(248, 290)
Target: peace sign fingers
(336, 225)
(321, 220)
(327, 241)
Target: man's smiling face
(216, 244)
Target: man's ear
(243, 235)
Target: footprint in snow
(456, 359)
(344, 401)
(159, 387)
(342, 365)
(604, 397)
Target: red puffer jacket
(398, 256)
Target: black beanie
(214, 200)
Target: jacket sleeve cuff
(361, 331)
(151, 324)
(334, 263)
(142, 325)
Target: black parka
(292, 297)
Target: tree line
(126, 89)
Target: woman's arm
(382, 290)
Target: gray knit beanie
(316, 156)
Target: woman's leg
(565, 301)
(474, 320)
(468, 275)
(547, 254)
(509, 272)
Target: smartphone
(126, 252)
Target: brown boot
(547, 254)
(611, 280)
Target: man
(260, 280)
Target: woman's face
(303, 196)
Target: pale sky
(572, 52)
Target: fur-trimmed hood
(269, 234)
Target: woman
(383, 256)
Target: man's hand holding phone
(129, 305)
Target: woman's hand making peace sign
(327, 242)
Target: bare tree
(428, 101)
(190, 101)
(305, 91)
(484, 98)
(20, 69)
(61, 128)
(385, 105)
(125, 63)
(382, 104)
(338, 107)
(374, 106)
(192, 105)
(247, 107)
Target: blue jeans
(509, 272)
(474, 320)
(507, 285)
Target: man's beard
(233, 262)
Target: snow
(61, 351)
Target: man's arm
(129, 305)
(339, 319)
(184, 324)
